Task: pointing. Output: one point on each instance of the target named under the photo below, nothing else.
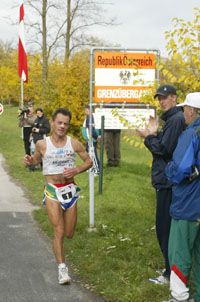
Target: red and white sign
(1, 109)
(123, 76)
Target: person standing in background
(41, 126)
(26, 122)
(96, 136)
(184, 173)
(161, 143)
(112, 146)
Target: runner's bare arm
(87, 162)
(36, 158)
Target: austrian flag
(22, 58)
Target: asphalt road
(28, 272)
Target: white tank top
(55, 159)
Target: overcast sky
(142, 22)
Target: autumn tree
(82, 15)
(65, 87)
(70, 87)
(57, 28)
(182, 67)
(8, 74)
(44, 29)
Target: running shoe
(63, 277)
(162, 280)
(161, 271)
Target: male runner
(57, 153)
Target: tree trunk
(68, 31)
(44, 43)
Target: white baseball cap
(192, 100)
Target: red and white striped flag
(22, 58)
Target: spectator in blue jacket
(161, 143)
(183, 172)
(95, 138)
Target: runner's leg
(55, 214)
(70, 219)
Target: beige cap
(192, 100)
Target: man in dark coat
(162, 144)
(41, 126)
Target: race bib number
(66, 193)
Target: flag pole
(22, 93)
(22, 57)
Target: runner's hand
(70, 172)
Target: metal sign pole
(91, 174)
(101, 156)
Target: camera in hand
(24, 111)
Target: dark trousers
(163, 222)
(112, 146)
(26, 138)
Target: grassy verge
(118, 258)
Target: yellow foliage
(68, 84)
(70, 88)
(182, 67)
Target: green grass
(116, 260)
